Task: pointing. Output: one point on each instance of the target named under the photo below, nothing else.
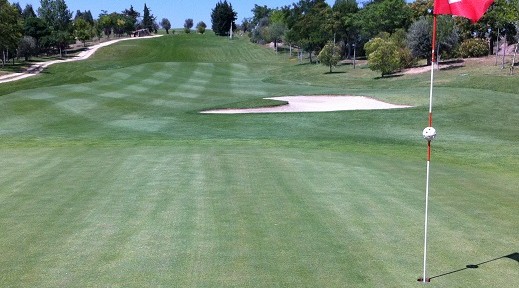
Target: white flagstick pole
(429, 133)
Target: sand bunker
(323, 103)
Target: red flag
(472, 9)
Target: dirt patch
(427, 68)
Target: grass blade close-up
(112, 177)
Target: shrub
(407, 60)
(473, 48)
(383, 56)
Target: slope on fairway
(111, 177)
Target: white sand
(38, 67)
(325, 103)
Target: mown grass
(111, 177)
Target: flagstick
(433, 59)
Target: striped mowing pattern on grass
(111, 177)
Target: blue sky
(176, 11)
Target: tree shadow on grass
(389, 76)
(513, 256)
(334, 72)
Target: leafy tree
(420, 8)
(383, 16)
(37, 29)
(419, 36)
(346, 31)
(188, 24)
(131, 17)
(200, 27)
(330, 55)
(259, 12)
(97, 30)
(27, 47)
(308, 25)
(246, 25)
(106, 24)
(56, 14)
(11, 28)
(58, 17)
(382, 55)
(165, 24)
(222, 18)
(121, 24)
(277, 16)
(275, 33)
(82, 30)
(500, 19)
(447, 37)
(260, 33)
(132, 13)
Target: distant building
(141, 33)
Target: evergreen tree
(148, 19)
(222, 18)
(28, 12)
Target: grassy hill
(111, 177)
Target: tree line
(392, 34)
(52, 28)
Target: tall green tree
(11, 27)
(259, 12)
(36, 28)
(419, 36)
(28, 12)
(148, 20)
(384, 16)
(82, 30)
(27, 47)
(308, 25)
(105, 23)
(59, 18)
(223, 17)
(344, 13)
